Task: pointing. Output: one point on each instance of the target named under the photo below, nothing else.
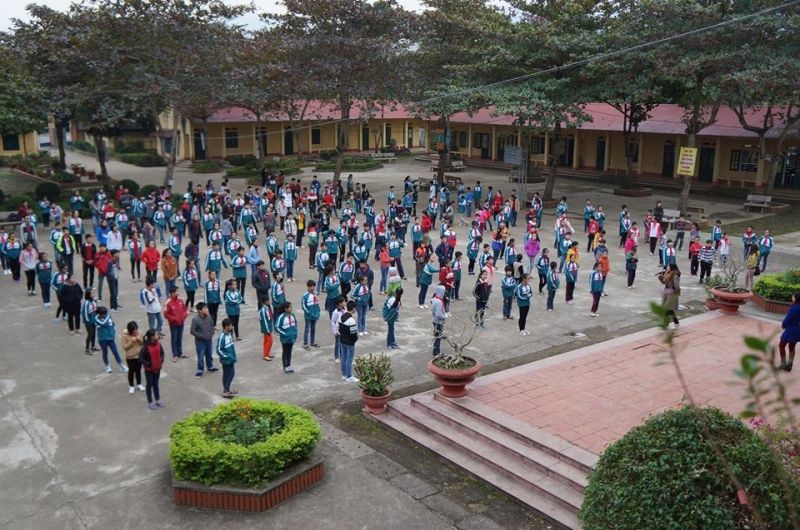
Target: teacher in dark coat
(791, 333)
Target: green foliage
(13, 202)
(328, 155)
(131, 185)
(351, 163)
(374, 373)
(135, 146)
(208, 166)
(245, 442)
(779, 287)
(664, 474)
(51, 190)
(2, 197)
(242, 172)
(288, 166)
(142, 159)
(242, 160)
(81, 145)
(148, 189)
(717, 281)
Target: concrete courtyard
(77, 451)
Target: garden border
(770, 306)
(294, 480)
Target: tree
(22, 101)
(352, 51)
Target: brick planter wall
(294, 480)
(770, 306)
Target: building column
(255, 141)
(283, 138)
(360, 137)
(640, 159)
(405, 135)
(762, 175)
(469, 141)
(718, 161)
(607, 153)
(190, 135)
(576, 151)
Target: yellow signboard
(687, 161)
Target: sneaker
(72, 332)
(422, 307)
(123, 369)
(344, 379)
(352, 379)
(131, 389)
(239, 339)
(360, 333)
(140, 388)
(213, 369)
(198, 375)
(593, 314)
(305, 347)
(108, 369)
(87, 352)
(394, 347)
(64, 317)
(314, 345)
(227, 395)
(788, 367)
(152, 406)
(288, 370)
(366, 332)
(160, 405)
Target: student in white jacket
(336, 316)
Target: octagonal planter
(454, 382)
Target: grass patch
(781, 223)
(16, 184)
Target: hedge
(778, 287)
(242, 172)
(664, 474)
(141, 159)
(147, 189)
(350, 164)
(51, 190)
(131, 185)
(200, 449)
(242, 160)
(81, 145)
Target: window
(633, 150)
(736, 159)
(537, 145)
(410, 139)
(11, 142)
(462, 139)
(388, 134)
(231, 138)
(316, 136)
(749, 160)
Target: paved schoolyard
(81, 452)
(593, 395)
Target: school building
(727, 153)
(19, 144)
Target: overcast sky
(16, 9)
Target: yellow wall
(28, 143)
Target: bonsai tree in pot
(727, 294)
(716, 281)
(375, 378)
(454, 371)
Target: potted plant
(455, 371)
(713, 282)
(375, 378)
(727, 295)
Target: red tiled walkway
(592, 396)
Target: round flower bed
(245, 442)
(665, 474)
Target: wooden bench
(384, 157)
(670, 216)
(458, 165)
(762, 202)
(452, 180)
(699, 210)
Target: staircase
(535, 467)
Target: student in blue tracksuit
(290, 256)
(361, 295)
(239, 267)
(226, 350)
(523, 293)
(87, 315)
(287, 329)
(213, 296)
(266, 319)
(596, 282)
(765, 244)
(191, 282)
(232, 302)
(321, 262)
(543, 268)
(553, 283)
(215, 259)
(278, 292)
(333, 288)
(106, 335)
(311, 314)
(571, 277)
(508, 286)
(430, 271)
(44, 273)
(391, 312)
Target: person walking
(151, 356)
(671, 278)
(202, 329)
(791, 333)
(311, 314)
(226, 350)
(439, 317)
(175, 312)
(348, 336)
(71, 297)
(233, 301)
(87, 315)
(596, 289)
(287, 329)
(106, 335)
(523, 293)
(132, 346)
(391, 313)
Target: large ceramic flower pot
(375, 405)
(712, 304)
(730, 302)
(454, 382)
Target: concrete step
(565, 451)
(521, 453)
(539, 491)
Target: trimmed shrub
(135, 146)
(142, 159)
(13, 202)
(350, 164)
(208, 166)
(242, 160)
(778, 287)
(242, 172)
(147, 189)
(245, 442)
(81, 145)
(51, 190)
(664, 474)
(132, 185)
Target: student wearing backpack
(348, 336)
(391, 313)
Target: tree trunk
(296, 136)
(444, 156)
(342, 140)
(62, 154)
(525, 163)
(101, 155)
(627, 181)
(173, 151)
(257, 139)
(24, 146)
(550, 181)
(683, 201)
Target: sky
(16, 9)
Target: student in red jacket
(151, 257)
(175, 312)
(152, 358)
(101, 262)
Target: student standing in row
(391, 313)
(202, 329)
(71, 297)
(266, 319)
(87, 315)
(523, 294)
(311, 314)
(213, 297)
(226, 350)
(175, 312)
(348, 336)
(553, 283)
(132, 346)
(481, 292)
(106, 334)
(596, 284)
(287, 329)
(232, 302)
(44, 273)
(152, 358)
